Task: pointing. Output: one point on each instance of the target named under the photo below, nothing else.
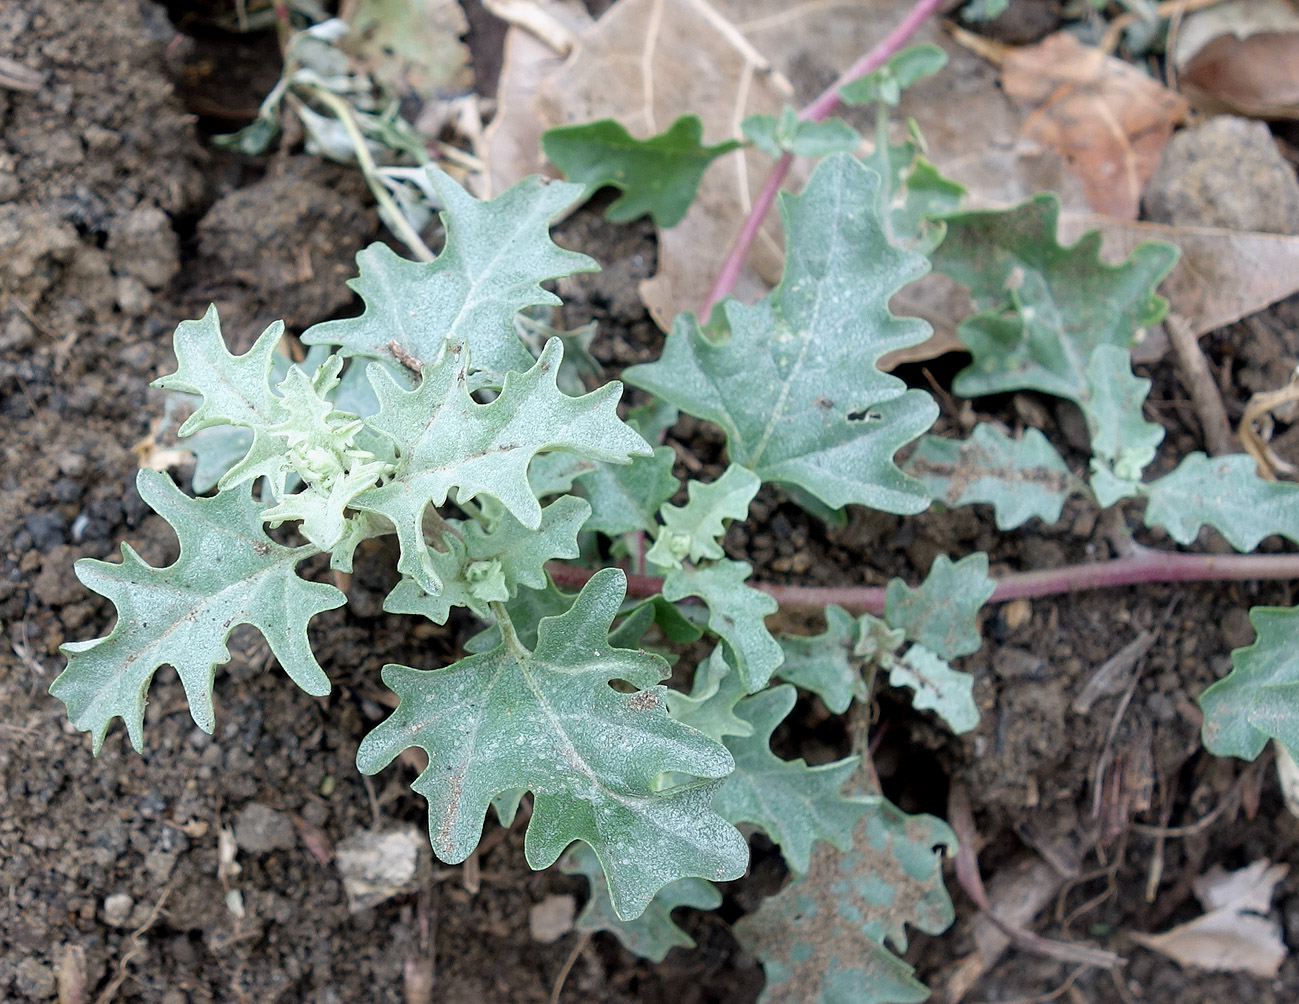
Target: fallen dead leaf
(409, 46)
(513, 140)
(1108, 120)
(734, 58)
(552, 918)
(1241, 56)
(1233, 935)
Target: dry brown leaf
(644, 63)
(410, 47)
(1234, 935)
(513, 140)
(1105, 117)
(1241, 56)
(648, 61)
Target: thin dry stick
(1201, 386)
(1144, 566)
(967, 873)
(817, 111)
(562, 978)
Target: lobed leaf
(1020, 478)
(658, 176)
(1123, 442)
(694, 531)
(942, 612)
(549, 721)
(938, 687)
(1044, 308)
(826, 664)
(793, 381)
(735, 614)
(625, 497)
(497, 255)
(445, 440)
(710, 706)
(654, 933)
(480, 566)
(229, 572)
(788, 133)
(821, 939)
(1227, 494)
(1259, 699)
(794, 804)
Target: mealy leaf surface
(821, 939)
(1259, 699)
(793, 381)
(229, 573)
(497, 255)
(1020, 478)
(445, 439)
(549, 721)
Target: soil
(117, 218)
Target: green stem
(508, 633)
(1144, 566)
(388, 208)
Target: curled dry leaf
(513, 140)
(1234, 935)
(1241, 56)
(1108, 120)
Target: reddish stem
(818, 110)
(1145, 565)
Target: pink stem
(1146, 565)
(818, 110)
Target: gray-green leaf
(793, 382)
(1044, 308)
(654, 933)
(942, 613)
(1019, 478)
(1228, 495)
(549, 721)
(1259, 699)
(693, 532)
(497, 255)
(447, 440)
(229, 573)
(474, 563)
(822, 938)
(825, 663)
(735, 614)
(938, 687)
(796, 805)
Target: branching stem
(1144, 566)
(817, 111)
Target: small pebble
(117, 909)
(259, 829)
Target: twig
(137, 946)
(1143, 567)
(388, 208)
(818, 110)
(967, 873)
(558, 988)
(1201, 386)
